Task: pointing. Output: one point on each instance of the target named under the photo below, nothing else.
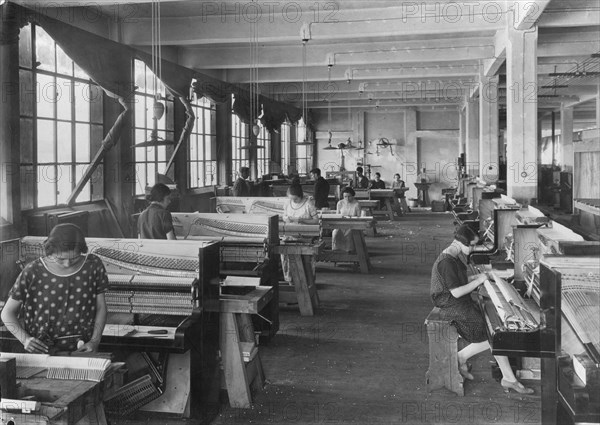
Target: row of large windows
(62, 127)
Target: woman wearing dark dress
(451, 292)
(156, 222)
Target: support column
(10, 199)
(522, 119)
(462, 138)
(472, 137)
(598, 107)
(411, 166)
(488, 129)
(566, 139)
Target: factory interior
(310, 211)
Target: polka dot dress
(58, 306)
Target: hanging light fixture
(254, 91)
(330, 134)
(305, 36)
(158, 108)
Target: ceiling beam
(493, 65)
(355, 24)
(294, 75)
(526, 14)
(341, 54)
(570, 18)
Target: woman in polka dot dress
(57, 303)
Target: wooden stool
(443, 355)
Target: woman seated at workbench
(349, 207)
(451, 292)
(57, 303)
(298, 209)
(398, 183)
(156, 222)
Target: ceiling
(392, 54)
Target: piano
(247, 244)
(570, 298)
(158, 298)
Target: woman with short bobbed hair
(156, 222)
(451, 292)
(57, 302)
(341, 240)
(300, 209)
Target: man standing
(242, 187)
(362, 182)
(321, 189)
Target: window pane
(162, 168)
(162, 153)
(140, 75)
(82, 142)
(46, 187)
(140, 111)
(140, 154)
(201, 174)
(64, 64)
(44, 50)
(193, 174)
(64, 102)
(193, 147)
(26, 135)
(64, 144)
(82, 96)
(25, 46)
(85, 195)
(80, 73)
(151, 167)
(141, 178)
(46, 96)
(140, 137)
(63, 183)
(96, 103)
(45, 141)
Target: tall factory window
(202, 148)
(152, 159)
(285, 147)
(61, 123)
(303, 152)
(263, 154)
(239, 136)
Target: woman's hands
(89, 347)
(34, 345)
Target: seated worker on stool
(297, 209)
(451, 293)
(156, 222)
(348, 207)
(398, 183)
(321, 189)
(57, 303)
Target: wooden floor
(362, 358)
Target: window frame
(52, 170)
(200, 106)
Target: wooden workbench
(303, 281)
(63, 402)
(357, 227)
(242, 366)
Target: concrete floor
(362, 358)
